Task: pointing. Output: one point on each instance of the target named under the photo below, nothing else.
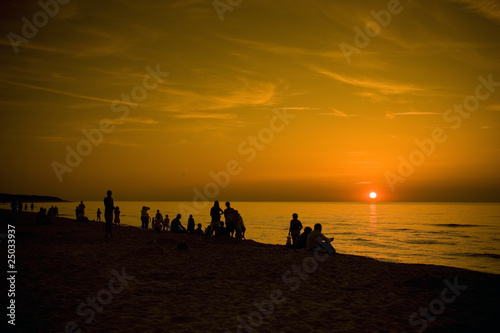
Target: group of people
(234, 225)
(309, 239)
(17, 205)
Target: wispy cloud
(487, 8)
(336, 113)
(200, 115)
(385, 88)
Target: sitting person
(176, 225)
(157, 226)
(42, 218)
(317, 241)
(198, 230)
(222, 231)
(302, 241)
(239, 226)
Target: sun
(373, 195)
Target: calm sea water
(465, 235)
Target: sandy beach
(70, 279)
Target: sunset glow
(315, 101)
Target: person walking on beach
(317, 241)
(109, 207)
(215, 214)
(295, 227)
(144, 217)
(117, 215)
(98, 219)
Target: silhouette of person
(239, 226)
(158, 216)
(144, 217)
(229, 216)
(117, 215)
(215, 214)
(32, 206)
(295, 227)
(166, 223)
(98, 215)
(302, 241)
(176, 225)
(109, 207)
(198, 230)
(81, 207)
(190, 225)
(316, 240)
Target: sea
(465, 235)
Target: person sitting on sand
(156, 225)
(317, 241)
(190, 226)
(176, 225)
(42, 218)
(198, 230)
(117, 215)
(222, 231)
(302, 241)
(294, 231)
(166, 223)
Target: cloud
(337, 113)
(384, 88)
(202, 115)
(487, 8)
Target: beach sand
(70, 279)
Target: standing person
(159, 217)
(98, 215)
(117, 215)
(144, 217)
(229, 216)
(32, 206)
(109, 207)
(190, 228)
(295, 227)
(239, 226)
(166, 223)
(215, 213)
(81, 207)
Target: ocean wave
(417, 241)
(478, 255)
(455, 225)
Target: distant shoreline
(4, 197)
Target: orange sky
(276, 100)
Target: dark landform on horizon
(4, 197)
